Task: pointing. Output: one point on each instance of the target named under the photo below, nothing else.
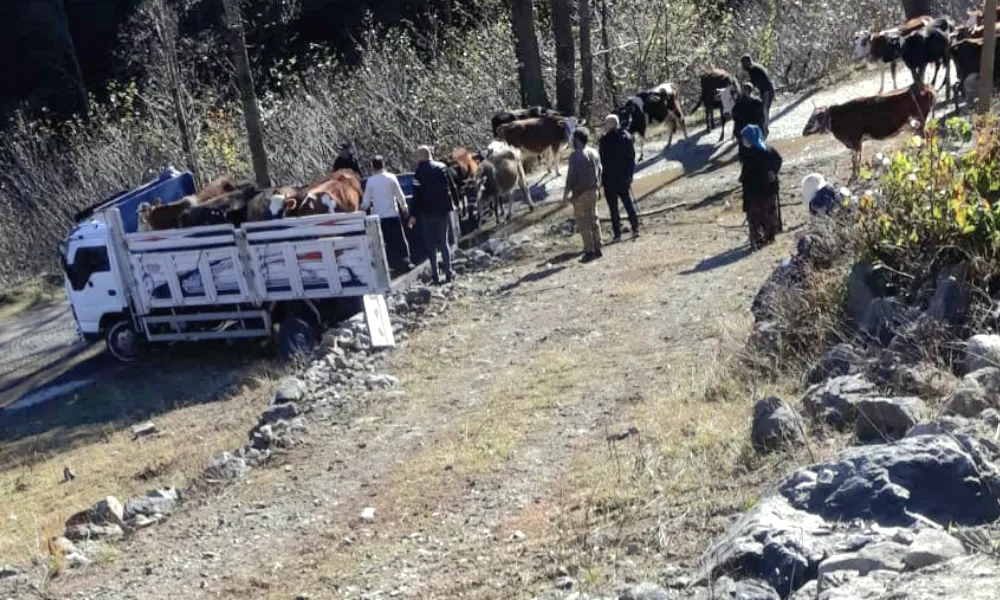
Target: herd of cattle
(492, 176)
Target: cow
(340, 193)
(157, 217)
(660, 105)
(274, 203)
(885, 47)
(711, 84)
(216, 187)
(500, 175)
(928, 45)
(464, 170)
(537, 136)
(876, 117)
(966, 55)
(509, 116)
(232, 208)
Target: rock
(142, 521)
(982, 351)
(279, 412)
(887, 419)
(883, 318)
(368, 515)
(786, 276)
(644, 591)
(766, 338)
(863, 286)
(108, 511)
(68, 475)
(775, 426)
(385, 382)
(950, 301)
(746, 589)
(823, 510)
(564, 583)
(849, 585)
(807, 592)
(840, 360)
(149, 507)
(7, 571)
(77, 560)
(144, 430)
(168, 493)
(880, 556)
(63, 545)
(976, 392)
(931, 547)
(290, 389)
(941, 425)
(92, 531)
(967, 577)
(835, 401)
(419, 295)
(924, 380)
(227, 466)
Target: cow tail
(697, 104)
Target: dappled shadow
(788, 108)
(720, 260)
(560, 259)
(532, 277)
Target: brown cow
(163, 216)
(274, 203)
(537, 136)
(875, 117)
(340, 193)
(217, 187)
(464, 170)
(718, 90)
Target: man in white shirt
(384, 197)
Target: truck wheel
(123, 342)
(295, 336)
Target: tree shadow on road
(532, 277)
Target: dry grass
(35, 502)
(31, 294)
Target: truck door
(93, 288)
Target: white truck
(219, 281)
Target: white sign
(379, 324)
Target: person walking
(434, 195)
(747, 111)
(759, 179)
(347, 160)
(385, 198)
(583, 175)
(617, 154)
(761, 80)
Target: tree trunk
(244, 80)
(586, 59)
(74, 75)
(609, 73)
(165, 22)
(989, 50)
(917, 8)
(562, 30)
(529, 60)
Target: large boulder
(976, 392)
(883, 318)
(855, 500)
(967, 577)
(924, 380)
(930, 547)
(887, 419)
(864, 284)
(775, 426)
(290, 389)
(835, 402)
(952, 293)
(108, 511)
(982, 351)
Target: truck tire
(296, 336)
(123, 342)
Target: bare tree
(916, 8)
(562, 30)
(244, 80)
(609, 73)
(529, 60)
(165, 23)
(989, 48)
(586, 59)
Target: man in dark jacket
(347, 160)
(434, 195)
(618, 163)
(748, 111)
(762, 81)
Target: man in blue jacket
(434, 195)
(618, 163)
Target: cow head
(327, 201)
(280, 205)
(143, 213)
(861, 45)
(819, 121)
(727, 97)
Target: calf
(500, 174)
(509, 116)
(660, 105)
(464, 170)
(875, 117)
(711, 83)
(884, 47)
(537, 136)
(928, 45)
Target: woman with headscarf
(759, 177)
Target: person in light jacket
(384, 197)
(583, 176)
